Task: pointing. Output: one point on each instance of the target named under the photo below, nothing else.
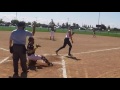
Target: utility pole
(23, 19)
(36, 19)
(16, 15)
(68, 23)
(68, 20)
(98, 18)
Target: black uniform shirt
(29, 48)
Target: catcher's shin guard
(46, 61)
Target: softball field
(92, 57)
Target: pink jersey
(68, 35)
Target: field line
(78, 53)
(63, 61)
(88, 51)
(4, 49)
(4, 60)
(98, 50)
(63, 67)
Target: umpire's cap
(21, 24)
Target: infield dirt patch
(93, 57)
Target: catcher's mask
(30, 39)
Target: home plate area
(40, 70)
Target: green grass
(100, 33)
(87, 32)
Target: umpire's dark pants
(19, 52)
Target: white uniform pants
(52, 34)
(35, 57)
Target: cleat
(50, 64)
(70, 55)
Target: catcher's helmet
(30, 39)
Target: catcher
(31, 53)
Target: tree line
(101, 27)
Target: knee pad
(42, 57)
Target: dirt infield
(92, 57)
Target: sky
(89, 18)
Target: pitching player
(31, 52)
(67, 41)
(52, 30)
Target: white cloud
(9, 17)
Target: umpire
(17, 42)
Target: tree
(74, 24)
(90, 26)
(69, 25)
(29, 23)
(58, 24)
(14, 22)
(77, 26)
(38, 24)
(103, 27)
(66, 25)
(7, 23)
(63, 25)
(1, 21)
(108, 27)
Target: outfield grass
(88, 32)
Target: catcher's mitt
(37, 45)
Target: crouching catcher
(31, 53)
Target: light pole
(98, 18)
(68, 20)
(23, 19)
(36, 19)
(3, 17)
(16, 15)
